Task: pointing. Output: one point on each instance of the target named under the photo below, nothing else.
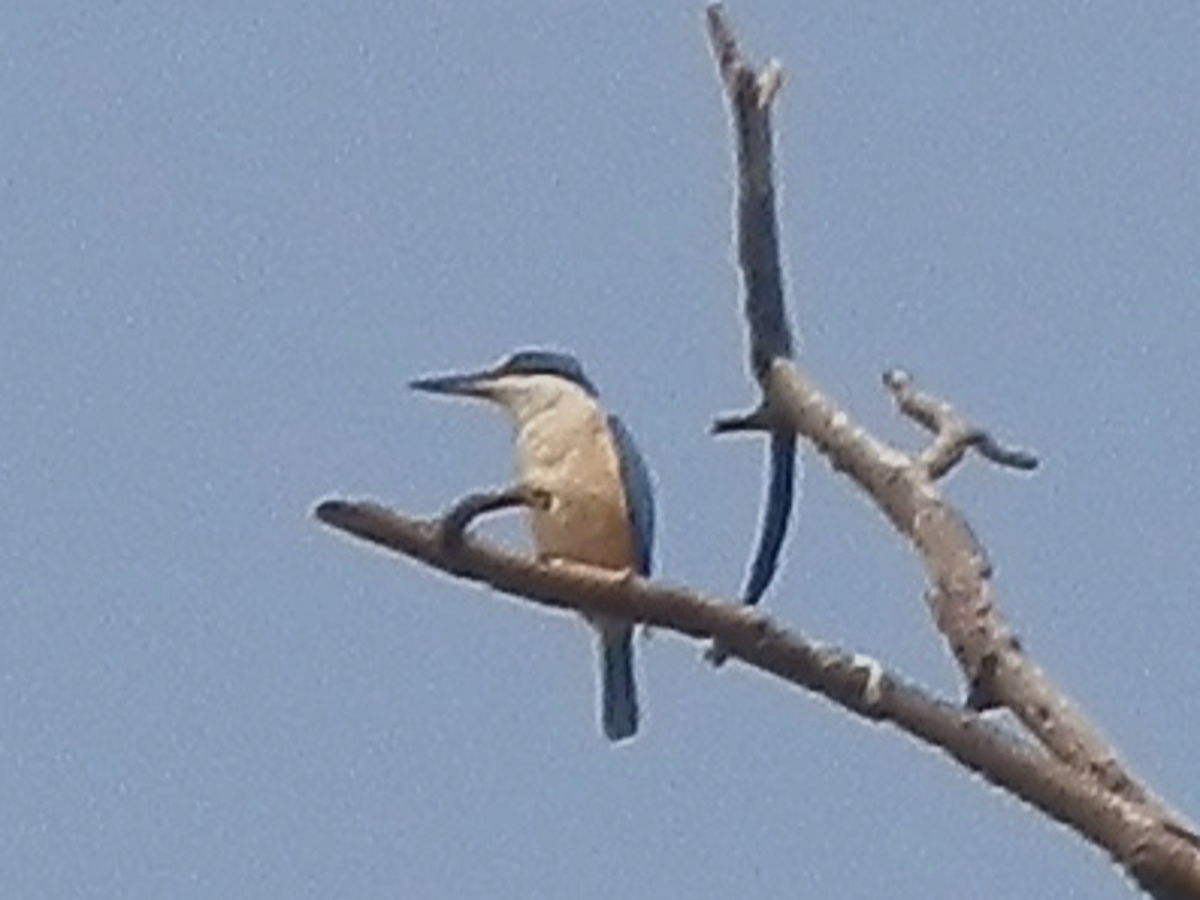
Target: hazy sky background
(231, 232)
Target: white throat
(529, 397)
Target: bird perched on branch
(600, 504)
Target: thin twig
(459, 517)
(953, 435)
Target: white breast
(565, 449)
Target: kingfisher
(600, 508)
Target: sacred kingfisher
(601, 505)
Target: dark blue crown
(546, 362)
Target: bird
(600, 508)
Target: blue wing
(639, 494)
(780, 491)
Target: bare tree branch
(1070, 773)
(1130, 833)
(960, 594)
(762, 280)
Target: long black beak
(475, 384)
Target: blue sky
(231, 233)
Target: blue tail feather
(620, 708)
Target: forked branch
(1067, 771)
(904, 488)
